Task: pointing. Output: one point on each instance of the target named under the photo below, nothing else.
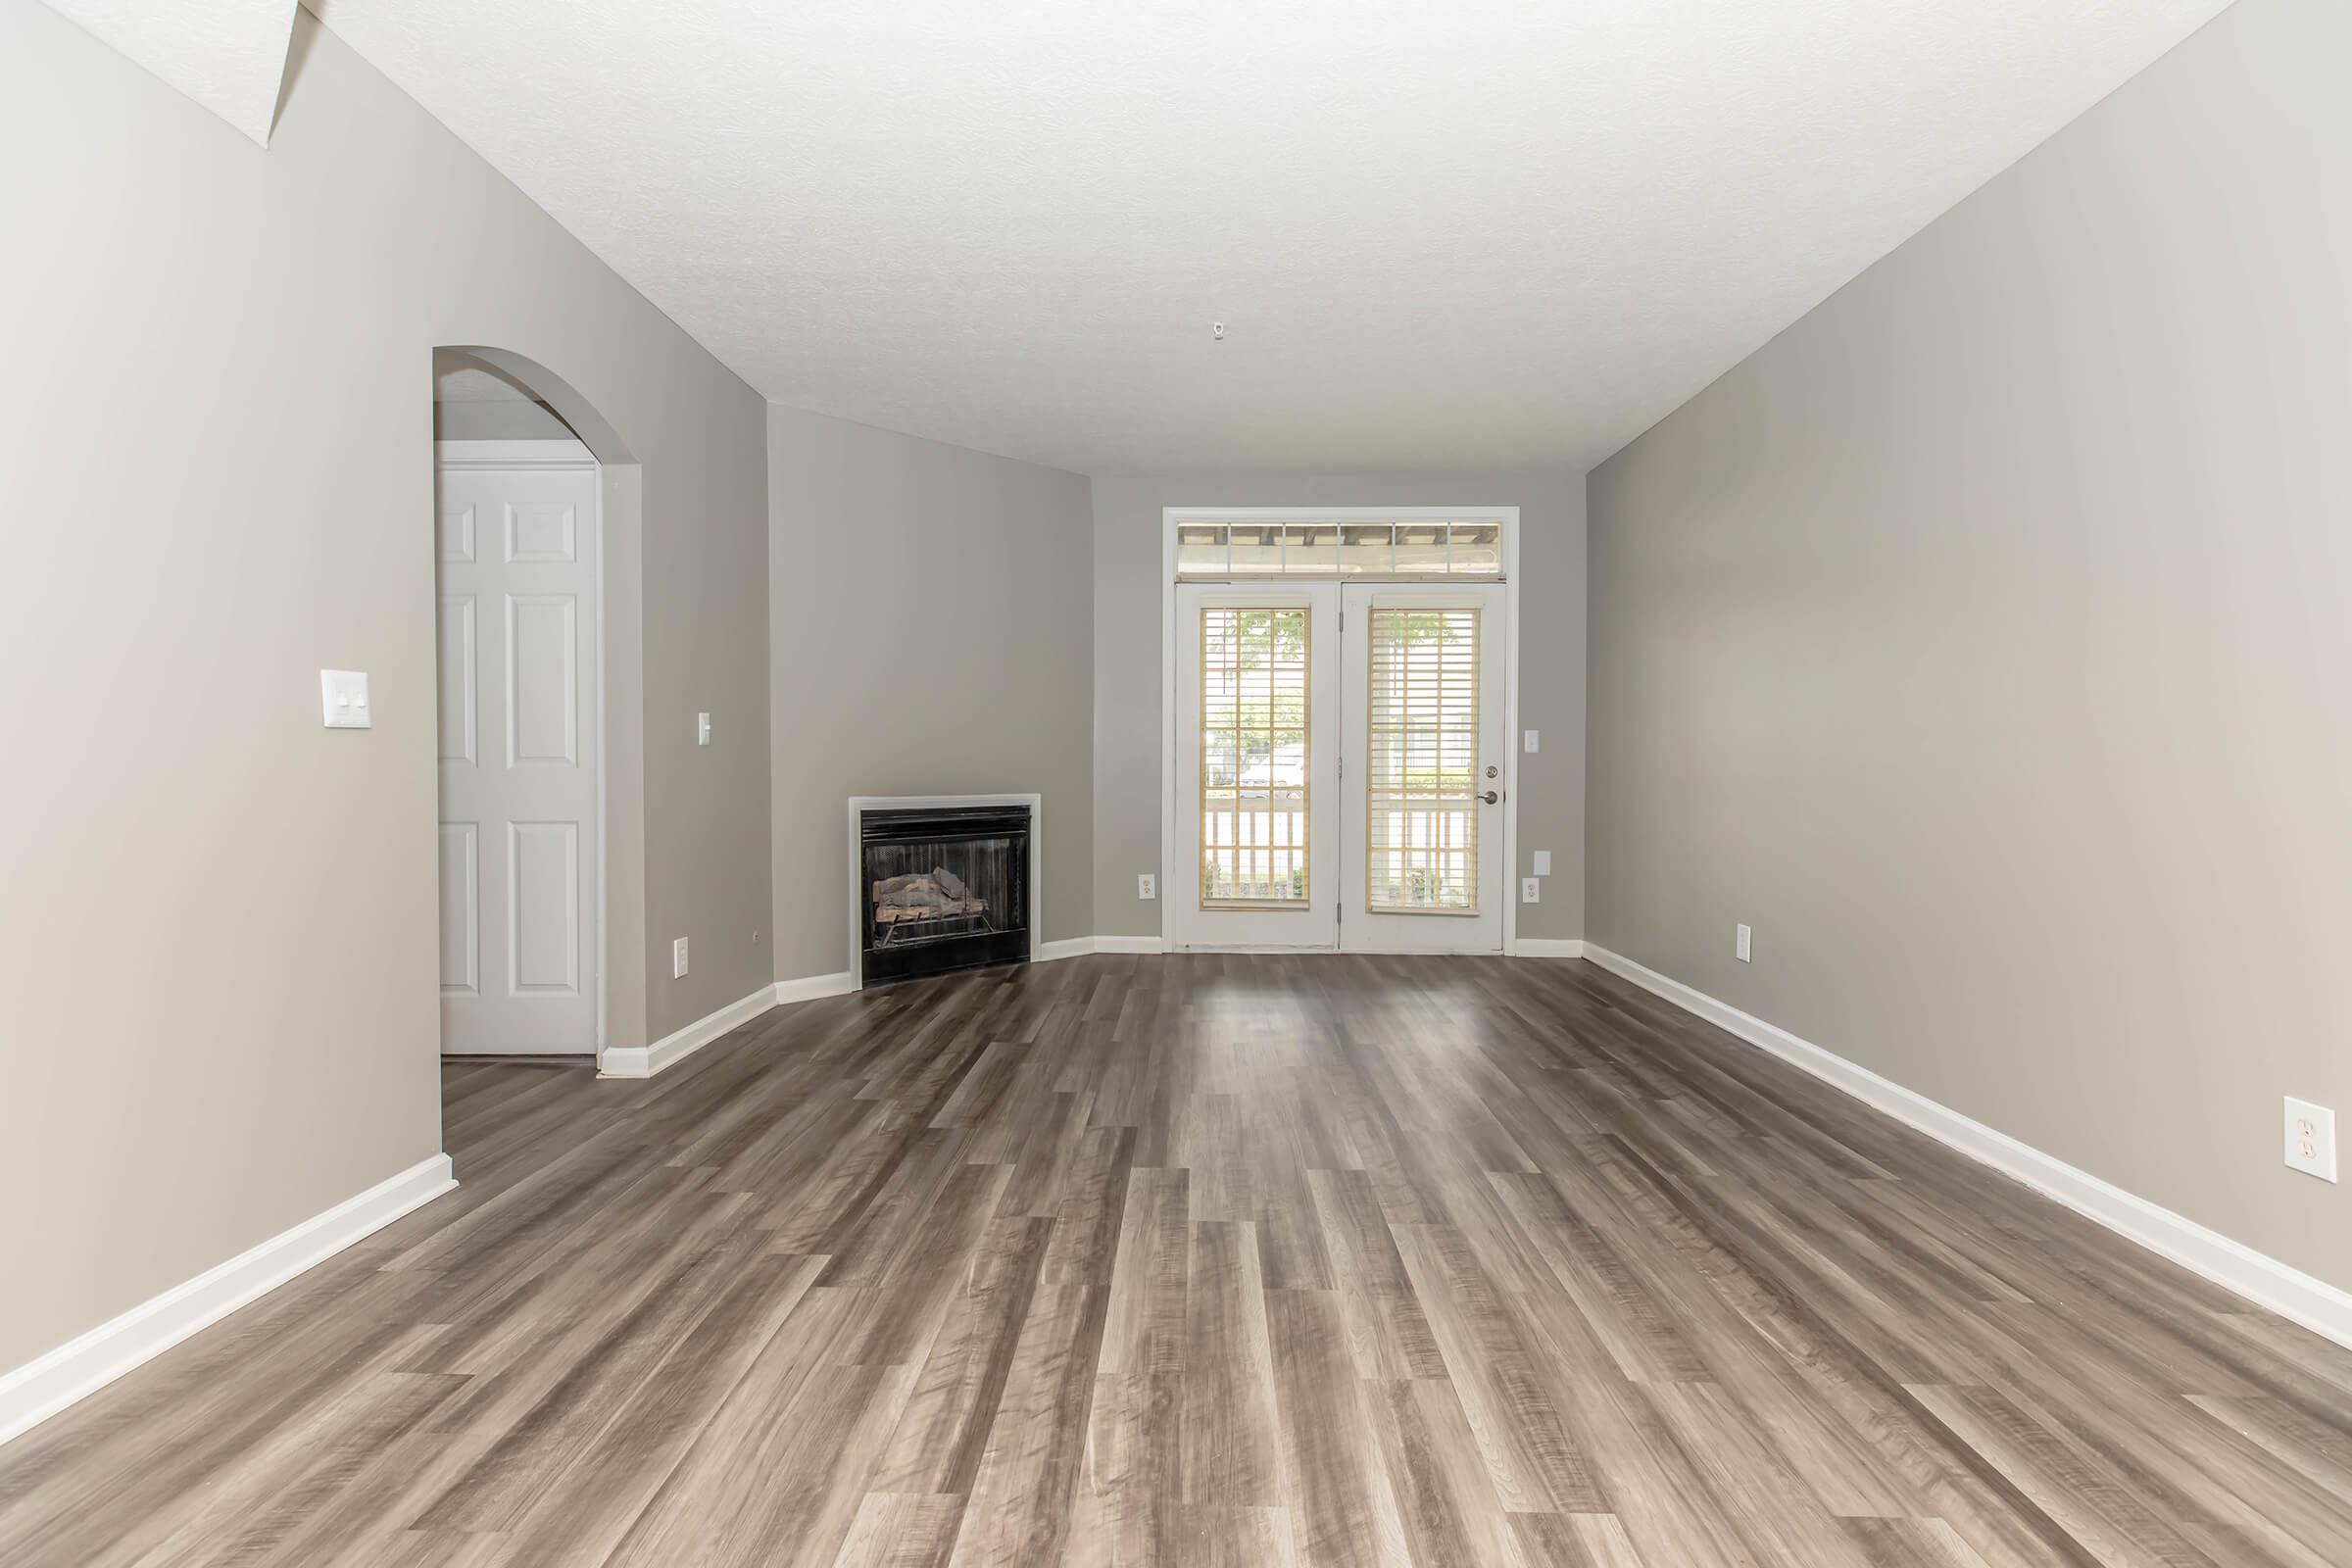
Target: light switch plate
(2311, 1139)
(1534, 743)
(701, 730)
(678, 960)
(1147, 886)
(1543, 862)
(1531, 891)
(343, 693)
(1743, 946)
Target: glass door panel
(1421, 760)
(1256, 788)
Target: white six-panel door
(1257, 785)
(1422, 868)
(519, 716)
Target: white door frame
(462, 455)
(1171, 517)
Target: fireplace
(940, 886)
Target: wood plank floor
(1221, 1261)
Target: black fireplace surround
(944, 888)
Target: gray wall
(497, 421)
(1983, 642)
(1129, 728)
(219, 917)
(930, 638)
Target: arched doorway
(539, 827)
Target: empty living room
(1480, 785)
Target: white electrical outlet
(1543, 862)
(1535, 743)
(1531, 891)
(1147, 887)
(678, 960)
(2311, 1139)
(1742, 948)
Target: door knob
(1490, 797)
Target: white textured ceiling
(229, 55)
(1440, 233)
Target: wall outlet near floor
(1744, 947)
(1531, 890)
(678, 960)
(1147, 886)
(2311, 1139)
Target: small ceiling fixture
(1217, 329)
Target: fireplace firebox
(944, 888)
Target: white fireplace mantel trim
(862, 803)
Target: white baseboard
(2318, 1306)
(643, 1061)
(39, 1389)
(1079, 947)
(1129, 945)
(810, 986)
(1549, 948)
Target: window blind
(1255, 757)
(1364, 550)
(1421, 780)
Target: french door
(1423, 739)
(1257, 766)
(1339, 768)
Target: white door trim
(1171, 517)
(513, 455)
(544, 454)
(921, 802)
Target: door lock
(1493, 772)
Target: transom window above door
(1419, 550)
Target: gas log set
(947, 887)
(938, 893)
